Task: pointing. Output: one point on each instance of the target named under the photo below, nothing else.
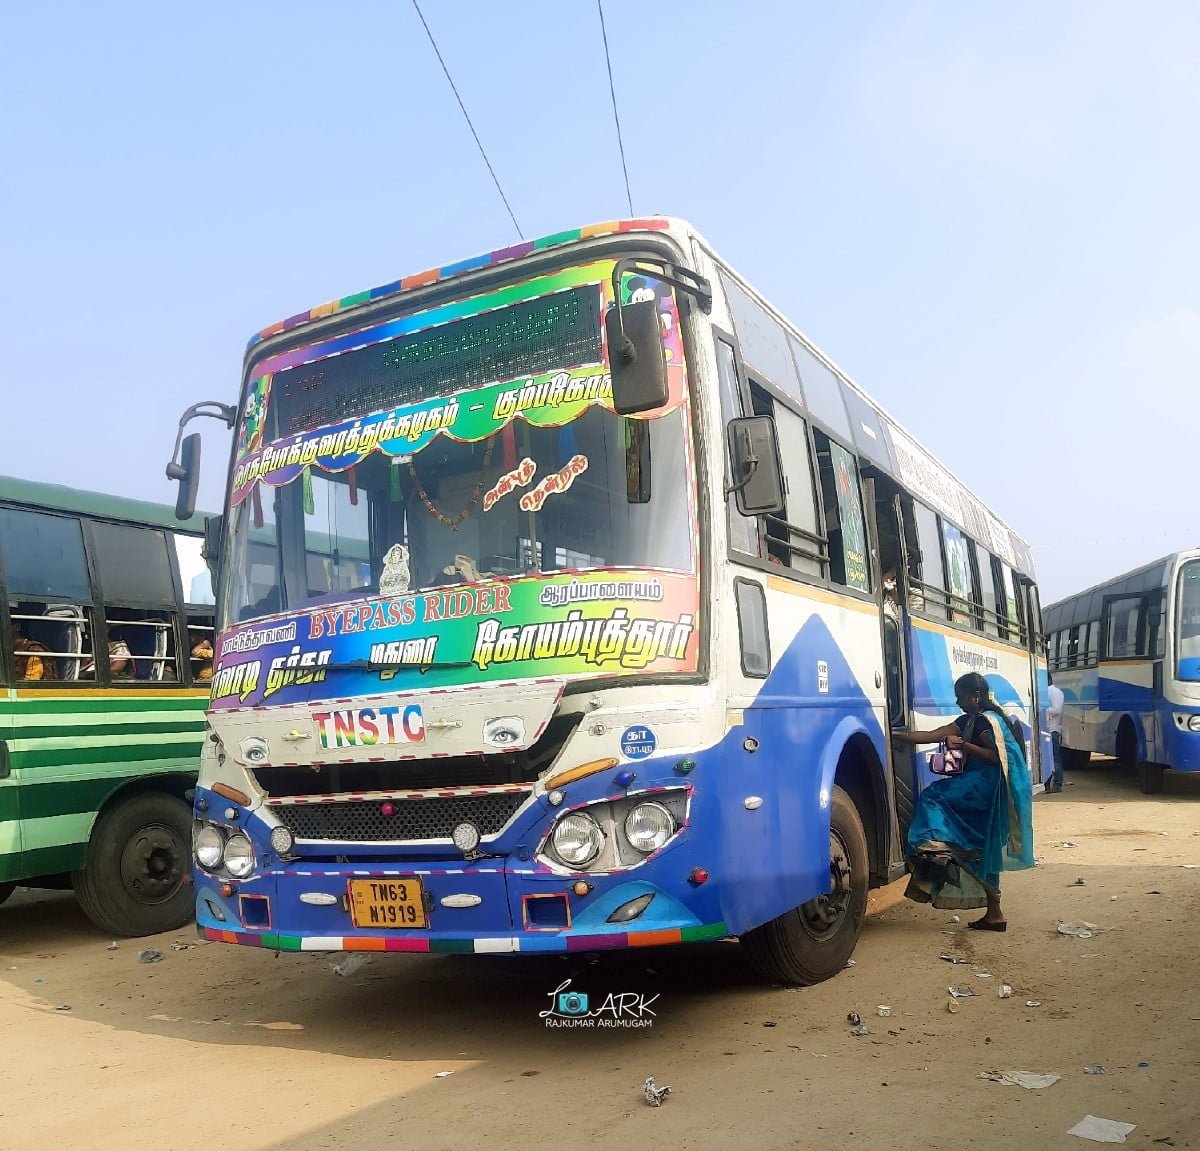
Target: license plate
(387, 903)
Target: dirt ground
(218, 1045)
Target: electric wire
(613, 92)
(478, 142)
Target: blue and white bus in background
(1126, 655)
(621, 585)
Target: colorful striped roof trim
(434, 275)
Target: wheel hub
(823, 915)
(152, 864)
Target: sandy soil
(217, 1044)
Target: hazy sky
(985, 213)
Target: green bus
(106, 653)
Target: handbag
(945, 761)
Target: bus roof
(902, 455)
(57, 497)
(1136, 581)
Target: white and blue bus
(1126, 655)
(621, 585)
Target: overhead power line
(478, 142)
(613, 92)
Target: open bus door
(883, 511)
(1038, 738)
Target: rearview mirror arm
(227, 413)
(682, 278)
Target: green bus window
(43, 555)
(132, 564)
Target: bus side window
(793, 540)
(743, 530)
(50, 607)
(926, 573)
(1121, 627)
(843, 514)
(134, 571)
(1092, 646)
(958, 572)
(995, 607)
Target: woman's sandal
(984, 925)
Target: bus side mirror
(754, 456)
(214, 526)
(636, 360)
(187, 472)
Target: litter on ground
(653, 1094)
(1102, 1130)
(1030, 1080)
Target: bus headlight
(648, 826)
(282, 841)
(208, 845)
(1194, 723)
(239, 856)
(577, 839)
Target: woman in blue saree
(969, 827)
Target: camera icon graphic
(573, 1003)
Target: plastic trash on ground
(1102, 1130)
(351, 964)
(963, 992)
(442, 1074)
(149, 955)
(1096, 1069)
(1080, 930)
(653, 1094)
(860, 1030)
(1030, 1080)
(1005, 991)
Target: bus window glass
(927, 577)
(132, 564)
(194, 575)
(43, 555)
(252, 557)
(1187, 643)
(1121, 639)
(995, 612)
(822, 389)
(336, 544)
(743, 530)
(1153, 646)
(1092, 644)
(1072, 648)
(763, 340)
(843, 514)
(798, 534)
(958, 566)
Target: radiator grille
(412, 820)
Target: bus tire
(138, 861)
(6, 889)
(1152, 778)
(812, 942)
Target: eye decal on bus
(504, 730)
(254, 750)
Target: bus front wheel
(135, 879)
(6, 889)
(812, 942)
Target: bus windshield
(600, 492)
(1187, 634)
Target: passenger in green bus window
(970, 826)
(121, 665)
(28, 664)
